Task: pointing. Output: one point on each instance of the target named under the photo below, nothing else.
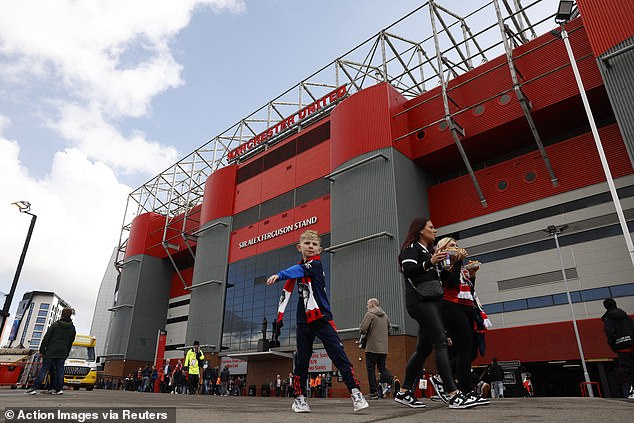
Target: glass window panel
(544, 301)
(622, 290)
(515, 305)
(261, 266)
(246, 217)
(42, 313)
(559, 299)
(44, 306)
(493, 308)
(312, 190)
(595, 294)
(249, 263)
(277, 205)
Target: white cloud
(79, 208)
(97, 138)
(107, 59)
(84, 67)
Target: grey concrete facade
(618, 77)
(209, 285)
(101, 317)
(378, 196)
(144, 288)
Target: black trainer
(459, 400)
(406, 398)
(478, 399)
(439, 387)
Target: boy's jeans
(325, 331)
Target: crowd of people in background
(175, 380)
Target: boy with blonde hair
(314, 319)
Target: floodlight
(564, 11)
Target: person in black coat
(619, 330)
(55, 347)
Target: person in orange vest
(317, 387)
(311, 384)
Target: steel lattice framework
(449, 45)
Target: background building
(493, 153)
(37, 311)
(105, 298)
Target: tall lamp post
(564, 13)
(25, 207)
(555, 231)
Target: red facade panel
(547, 342)
(487, 80)
(608, 22)
(544, 88)
(143, 234)
(219, 194)
(361, 123)
(292, 173)
(182, 223)
(248, 194)
(312, 164)
(147, 232)
(546, 78)
(568, 159)
(422, 115)
(319, 208)
(177, 289)
(278, 180)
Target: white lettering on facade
(277, 232)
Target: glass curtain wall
(250, 300)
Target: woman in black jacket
(419, 264)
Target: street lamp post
(564, 13)
(555, 231)
(24, 207)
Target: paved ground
(257, 409)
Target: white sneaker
(31, 391)
(631, 394)
(60, 392)
(358, 400)
(300, 405)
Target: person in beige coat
(374, 331)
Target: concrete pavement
(336, 410)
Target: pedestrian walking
(619, 331)
(375, 328)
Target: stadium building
(478, 123)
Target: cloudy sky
(97, 97)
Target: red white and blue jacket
(311, 287)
